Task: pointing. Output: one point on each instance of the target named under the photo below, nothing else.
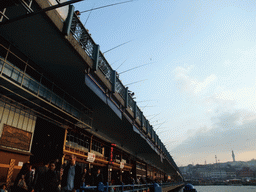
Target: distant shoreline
(243, 184)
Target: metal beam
(40, 11)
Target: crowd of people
(52, 178)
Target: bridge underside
(43, 43)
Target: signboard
(91, 157)
(121, 165)
(15, 138)
(20, 163)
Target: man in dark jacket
(98, 178)
(52, 179)
(40, 175)
(71, 176)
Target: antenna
(105, 6)
(136, 67)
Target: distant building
(231, 173)
(246, 172)
(233, 156)
(218, 174)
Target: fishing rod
(160, 125)
(149, 115)
(89, 15)
(115, 61)
(146, 101)
(154, 116)
(164, 132)
(117, 46)
(121, 64)
(105, 6)
(39, 12)
(148, 106)
(156, 121)
(135, 82)
(136, 67)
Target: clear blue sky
(202, 79)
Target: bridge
(59, 95)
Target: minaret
(233, 156)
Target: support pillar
(10, 172)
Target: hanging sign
(121, 164)
(91, 157)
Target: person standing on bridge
(98, 178)
(71, 176)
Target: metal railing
(82, 36)
(20, 77)
(105, 68)
(120, 89)
(117, 188)
(154, 187)
(130, 103)
(138, 113)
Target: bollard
(157, 188)
(189, 188)
(101, 187)
(122, 186)
(107, 187)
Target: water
(224, 189)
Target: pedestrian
(3, 188)
(25, 180)
(78, 14)
(98, 178)
(87, 178)
(52, 179)
(40, 175)
(71, 176)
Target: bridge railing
(117, 188)
(138, 113)
(120, 89)
(82, 35)
(153, 187)
(105, 68)
(130, 103)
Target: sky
(198, 90)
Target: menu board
(15, 138)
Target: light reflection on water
(224, 189)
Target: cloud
(229, 131)
(229, 106)
(191, 85)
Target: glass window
(7, 69)
(17, 76)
